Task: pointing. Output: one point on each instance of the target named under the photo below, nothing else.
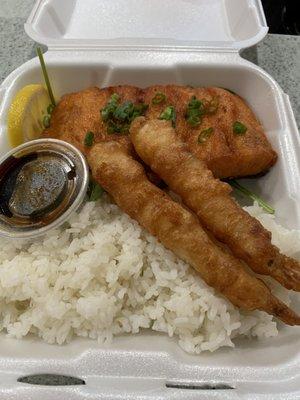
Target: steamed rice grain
(101, 275)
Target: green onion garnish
(194, 103)
(89, 139)
(118, 117)
(46, 121)
(95, 191)
(239, 128)
(46, 76)
(195, 112)
(252, 196)
(196, 109)
(194, 119)
(211, 107)
(159, 98)
(204, 135)
(169, 114)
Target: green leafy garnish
(169, 114)
(196, 109)
(95, 191)
(204, 135)
(46, 121)
(118, 117)
(46, 76)
(195, 112)
(239, 128)
(246, 192)
(108, 111)
(89, 139)
(159, 98)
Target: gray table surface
(279, 55)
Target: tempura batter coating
(157, 144)
(178, 230)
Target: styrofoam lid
(233, 24)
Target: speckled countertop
(277, 54)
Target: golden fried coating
(225, 153)
(80, 112)
(179, 230)
(157, 144)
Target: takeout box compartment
(90, 44)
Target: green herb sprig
(46, 76)
(248, 193)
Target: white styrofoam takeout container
(143, 42)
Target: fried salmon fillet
(157, 144)
(225, 153)
(179, 230)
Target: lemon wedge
(28, 114)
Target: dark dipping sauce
(41, 183)
(33, 188)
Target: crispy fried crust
(178, 230)
(226, 154)
(157, 144)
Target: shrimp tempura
(180, 231)
(157, 144)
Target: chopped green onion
(114, 98)
(204, 135)
(46, 76)
(252, 196)
(50, 109)
(169, 114)
(108, 111)
(89, 139)
(124, 111)
(194, 119)
(95, 191)
(46, 121)
(212, 105)
(194, 103)
(159, 98)
(239, 128)
(118, 117)
(195, 111)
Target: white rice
(101, 275)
